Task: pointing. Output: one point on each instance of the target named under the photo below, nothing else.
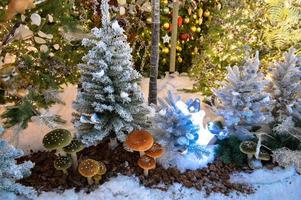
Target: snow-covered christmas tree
(286, 77)
(243, 102)
(10, 172)
(109, 99)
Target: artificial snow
(188, 161)
(277, 184)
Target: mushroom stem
(250, 156)
(65, 171)
(74, 161)
(146, 172)
(90, 181)
(141, 153)
(97, 180)
(258, 147)
(113, 143)
(60, 152)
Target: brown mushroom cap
(248, 147)
(88, 168)
(139, 140)
(146, 162)
(102, 168)
(155, 151)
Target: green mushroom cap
(57, 138)
(74, 147)
(62, 163)
(248, 147)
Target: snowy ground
(278, 184)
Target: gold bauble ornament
(179, 48)
(165, 50)
(149, 20)
(164, 60)
(200, 12)
(198, 29)
(200, 21)
(166, 10)
(193, 28)
(207, 13)
(165, 2)
(186, 20)
(166, 25)
(180, 59)
(197, 21)
(194, 16)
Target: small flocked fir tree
(286, 77)
(243, 102)
(10, 172)
(109, 99)
(180, 131)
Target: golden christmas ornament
(198, 29)
(200, 12)
(207, 13)
(166, 25)
(165, 50)
(165, 2)
(166, 10)
(121, 2)
(200, 21)
(194, 16)
(180, 59)
(179, 48)
(149, 20)
(193, 28)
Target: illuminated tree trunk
(154, 60)
(174, 34)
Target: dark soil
(44, 177)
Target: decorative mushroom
(156, 151)
(63, 163)
(249, 148)
(264, 155)
(146, 163)
(57, 139)
(140, 141)
(102, 171)
(89, 168)
(74, 147)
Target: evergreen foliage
(180, 131)
(36, 70)
(109, 99)
(241, 27)
(243, 102)
(228, 151)
(10, 172)
(287, 92)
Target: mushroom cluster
(249, 148)
(92, 170)
(143, 142)
(62, 141)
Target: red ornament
(180, 21)
(185, 36)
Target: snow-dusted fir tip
(10, 172)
